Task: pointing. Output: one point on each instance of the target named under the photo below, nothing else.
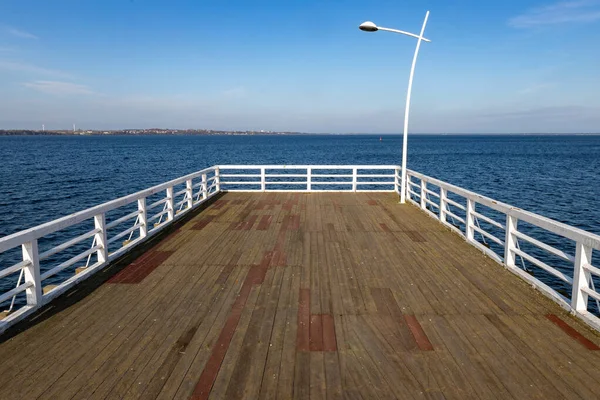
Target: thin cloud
(17, 66)
(19, 33)
(535, 88)
(58, 88)
(235, 93)
(558, 13)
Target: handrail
(16, 239)
(312, 180)
(551, 225)
(308, 166)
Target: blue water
(44, 177)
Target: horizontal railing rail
(508, 240)
(310, 178)
(511, 236)
(135, 222)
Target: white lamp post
(371, 27)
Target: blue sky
(492, 66)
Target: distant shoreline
(13, 133)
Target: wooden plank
(303, 336)
(285, 383)
(270, 378)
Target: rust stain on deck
(218, 204)
(418, 333)
(264, 223)
(203, 223)
(572, 332)
(141, 267)
(329, 340)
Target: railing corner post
(143, 217)
(32, 273)
(309, 179)
(510, 241)
(263, 180)
(101, 237)
(403, 186)
(581, 277)
(217, 179)
(443, 195)
(170, 204)
(204, 187)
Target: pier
(303, 282)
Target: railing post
(423, 194)
(170, 204)
(32, 273)
(354, 179)
(263, 180)
(204, 187)
(403, 186)
(100, 223)
(581, 277)
(189, 192)
(217, 180)
(510, 241)
(443, 195)
(470, 220)
(396, 177)
(143, 217)
(309, 179)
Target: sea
(45, 177)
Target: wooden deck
(326, 296)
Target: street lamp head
(368, 26)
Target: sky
(510, 66)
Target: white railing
(143, 214)
(465, 212)
(310, 178)
(491, 226)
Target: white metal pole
(407, 110)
